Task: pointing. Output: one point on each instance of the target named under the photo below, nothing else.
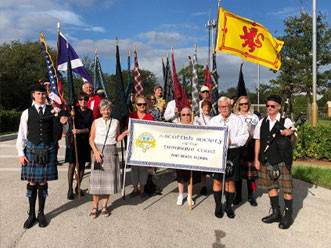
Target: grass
(325, 122)
(314, 175)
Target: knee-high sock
(42, 194)
(32, 195)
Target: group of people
(259, 150)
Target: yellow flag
(247, 39)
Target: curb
(6, 137)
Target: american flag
(54, 94)
(137, 80)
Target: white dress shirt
(238, 132)
(287, 124)
(22, 136)
(169, 113)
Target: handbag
(99, 165)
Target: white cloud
(150, 59)
(162, 38)
(29, 17)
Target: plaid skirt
(284, 181)
(108, 180)
(39, 173)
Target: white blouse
(251, 121)
(101, 127)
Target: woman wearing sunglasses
(139, 174)
(247, 168)
(83, 123)
(183, 176)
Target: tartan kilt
(284, 181)
(39, 173)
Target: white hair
(224, 99)
(104, 104)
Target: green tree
(148, 78)
(21, 65)
(187, 73)
(295, 75)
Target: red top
(147, 116)
(93, 104)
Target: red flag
(179, 93)
(137, 80)
(208, 79)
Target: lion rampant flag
(247, 39)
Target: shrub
(314, 143)
(9, 120)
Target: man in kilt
(273, 160)
(238, 135)
(36, 146)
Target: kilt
(40, 173)
(108, 180)
(284, 182)
(247, 168)
(233, 155)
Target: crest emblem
(145, 141)
(252, 38)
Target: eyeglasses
(205, 91)
(244, 103)
(141, 104)
(82, 99)
(271, 106)
(185, 114)
(153, 99)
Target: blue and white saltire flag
(64, 48)
(52, 73)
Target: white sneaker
(180, 199)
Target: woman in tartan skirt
(37, 149)
(247, 168)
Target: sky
(153, 26)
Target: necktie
(40, 113)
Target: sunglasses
(271, 106)
(153, 99)
(185, 114)
(244, 103)
(141, 104)
(83, 99)
(205, 91)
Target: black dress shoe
(252, 201)
(42, 220)
(219, 213)
(229, 212)
(30, 221)
(81, 192)
(70, 195)
(286, 220)
(273, 217)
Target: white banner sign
(178, 146)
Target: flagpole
(314, 116)
(258, 88)
(95, 70)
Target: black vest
(280, 147)
(40, 129)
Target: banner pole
(124, 171)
